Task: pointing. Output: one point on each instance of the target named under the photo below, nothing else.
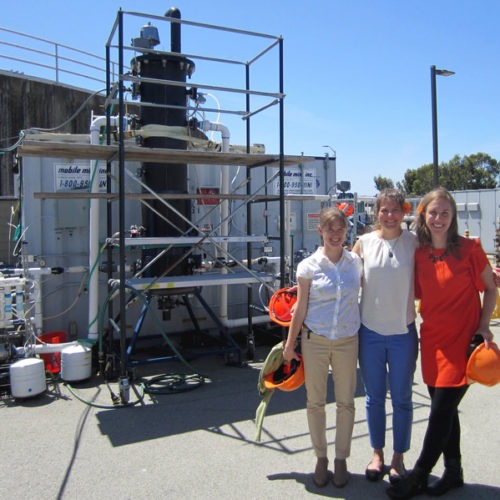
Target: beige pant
(319, 355)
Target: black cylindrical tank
(165, 178)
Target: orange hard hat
(287, 377)
(280, 306)
(346, 208)
(484, 365)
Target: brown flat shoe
(320, 476)
(340, 474)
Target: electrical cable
(73, 304)
(172, 383)
(264, 300)
(15, 145)
(91, 271)
(114, 397)
(39, 129)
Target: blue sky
(356, 73)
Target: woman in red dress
(450, 273)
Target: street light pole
(334, 186)
(435, 164)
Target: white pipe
(272, 259)
(43, 348)
(288, 232)
(39, 271)
(95, 126)
(263, 259)
(206, 125)
(233, 323)
(38, 318)
(50, 348)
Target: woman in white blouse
(327, 314)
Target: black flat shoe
(374, 474)
(395, 478)
(409, 486)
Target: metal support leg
(233, 346)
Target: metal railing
(54, 61)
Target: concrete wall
(30, 102)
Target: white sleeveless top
(388, 295)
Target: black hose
(172, 383)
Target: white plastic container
(27, 378)
(76, 363)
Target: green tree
(418, 181)
(476, 171)
(382, 183)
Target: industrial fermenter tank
(162, 221)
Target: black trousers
(443, 428)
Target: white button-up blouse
(333, 309)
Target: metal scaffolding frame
(115, 97)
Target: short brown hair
(329, 214)
(388, 194)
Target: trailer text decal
(298, 181)
(76, 176)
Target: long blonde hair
(421, 228)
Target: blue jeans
(392, 358)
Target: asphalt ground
(71, 443)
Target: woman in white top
(327, 313)
(388, 343)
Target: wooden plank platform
(80, 151)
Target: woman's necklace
(439, 258)
(391, 248)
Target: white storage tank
(27, 378)
(76, 363)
